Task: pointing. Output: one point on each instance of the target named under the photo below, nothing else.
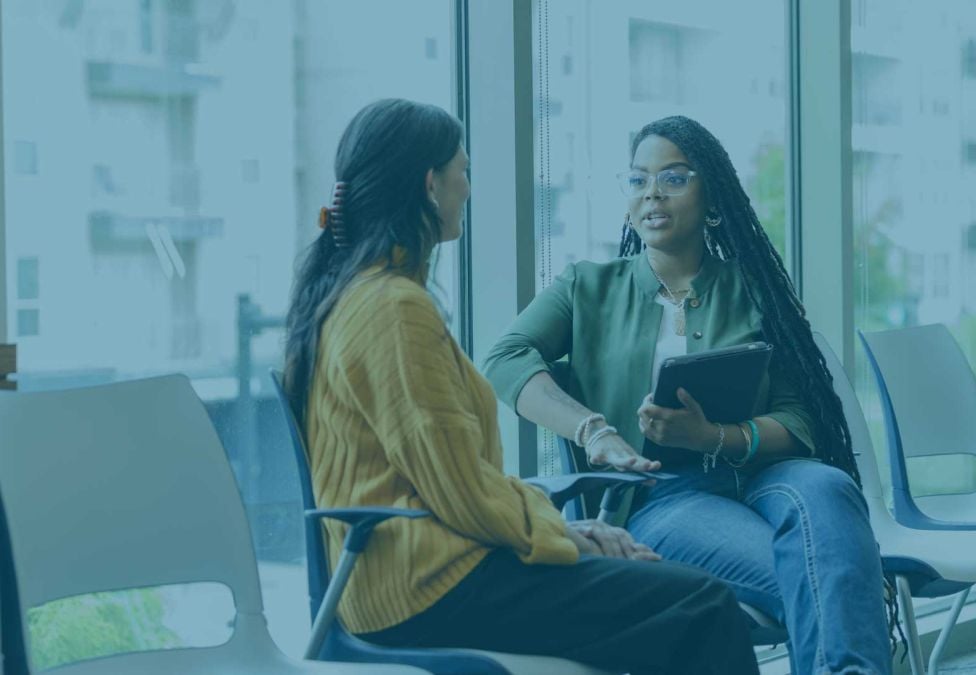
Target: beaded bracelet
(597, 435)
(711, 457)
(581, 431)
(600, 433)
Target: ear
(429, 184)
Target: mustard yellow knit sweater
(399, 416)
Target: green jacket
(600, 320)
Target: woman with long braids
(396, 415)
(770, 505)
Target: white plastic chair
(925, 563)
(928, 396)
(127, 486)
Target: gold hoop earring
(714, 218)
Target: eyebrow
(663, 168)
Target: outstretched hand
(685, 427)
(612, 450)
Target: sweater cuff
(552, 548)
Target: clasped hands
(595, 537)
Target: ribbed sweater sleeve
(400, 364)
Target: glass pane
(136, 620)
(603, 70)
(166, 160)
(914, 165)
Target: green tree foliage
(880, 272)
(100, 624)
(767, 191)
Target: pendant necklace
(679, 307)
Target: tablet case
(724, 381)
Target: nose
(653, 190)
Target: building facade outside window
(165, 163)
(914, 210)
(604, 70)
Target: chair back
(928, 385)
(121, 486)
(867, 463)
(318, 571)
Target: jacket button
(695, 302)
(696, 335)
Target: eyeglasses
(670, 182)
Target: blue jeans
(793, 540)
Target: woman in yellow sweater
(396, 415)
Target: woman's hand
(612, 450)
(598, 538)
(677, 427)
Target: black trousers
(635, 616)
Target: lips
(655, 219)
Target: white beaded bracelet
(580, 437)
(600, 433)
(597, 435)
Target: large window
(914, 130)
(164, 164)
(604, 70)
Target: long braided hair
(740, 236)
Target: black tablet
(725, 381)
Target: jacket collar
(641, 267)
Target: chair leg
(327, 610)
(946, 629)
(915, 657)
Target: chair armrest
(561, 489)
(363, 519)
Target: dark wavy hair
(383, 157)
(784, 323)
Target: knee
(831, 480)
(823, 483)
(835, 483)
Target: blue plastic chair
(332, 642)
(928, 397)
(926, 562)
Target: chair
(925, 381)
(926, 563)
(331, 641)
(127, 486)
(928, 396)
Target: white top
(669, 343)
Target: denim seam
(805, 529)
